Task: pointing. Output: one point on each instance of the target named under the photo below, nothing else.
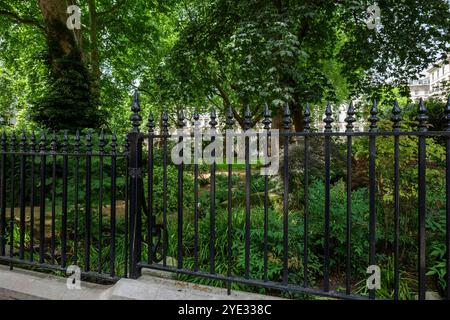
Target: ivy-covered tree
(88, 70)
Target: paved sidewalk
(24, 284)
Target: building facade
(433, 83)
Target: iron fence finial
(328, 118)
(213, 117)
(350, 117)
(88, 142)
(42, 142)
(287, 117)
(136, 108)
(65, 144)
(422, 116)
(23, 141)
(267, 119)
(114, 143)
(77, 142)
(151, 123)
(102, 141)
(165, 123)
(181, 119)
(396, 117)
(373, 119)
(230, 118)
(33, 142)
(307, 118)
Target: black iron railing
(150, 234)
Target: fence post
(135, 170)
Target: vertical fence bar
(396, 118)
(286, 125)
(447, 183)
(230, 158)
(3, 196)
(76, 182)
(212, 197)
(197, 156)
(181, 124)
(372, 190)
(247, 126)
(136, 196)
(267, 124)
(350, 119)
(87, 215)
(53, 146)
(151, 132)
(127, 197)
(65, 160)
(42, 199)
(422, 118)
(328, 129)
(165, 133)
(22, 185)
(101, 145)
(112, 240)
(32, 189)
(13, 191)
(307, 129)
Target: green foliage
(338, 216)
(407, 284)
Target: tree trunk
(62, 42)
(68, 104)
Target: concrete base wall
(24, 284)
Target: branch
(112, 9)
(24, 20)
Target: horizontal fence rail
(191, 208)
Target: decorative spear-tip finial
(114, 143)
(151, 123)
(65, 145)
(350, 117)
(23, 141)
(213, 117)
(102, 142)
(181, 119)
(33, 142)
(267, 121)
(88, 143)
(4, 139)
(196, 118)
(13, 141)
(328, 118)
(373, 119)
(422, 116)
(396, 117)
(307, 118)
(165, 123)
(136, 108)
(76, 146)
(247, 118)
(42, 142)
(230, 118)
(53, 143)
(287, 117)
